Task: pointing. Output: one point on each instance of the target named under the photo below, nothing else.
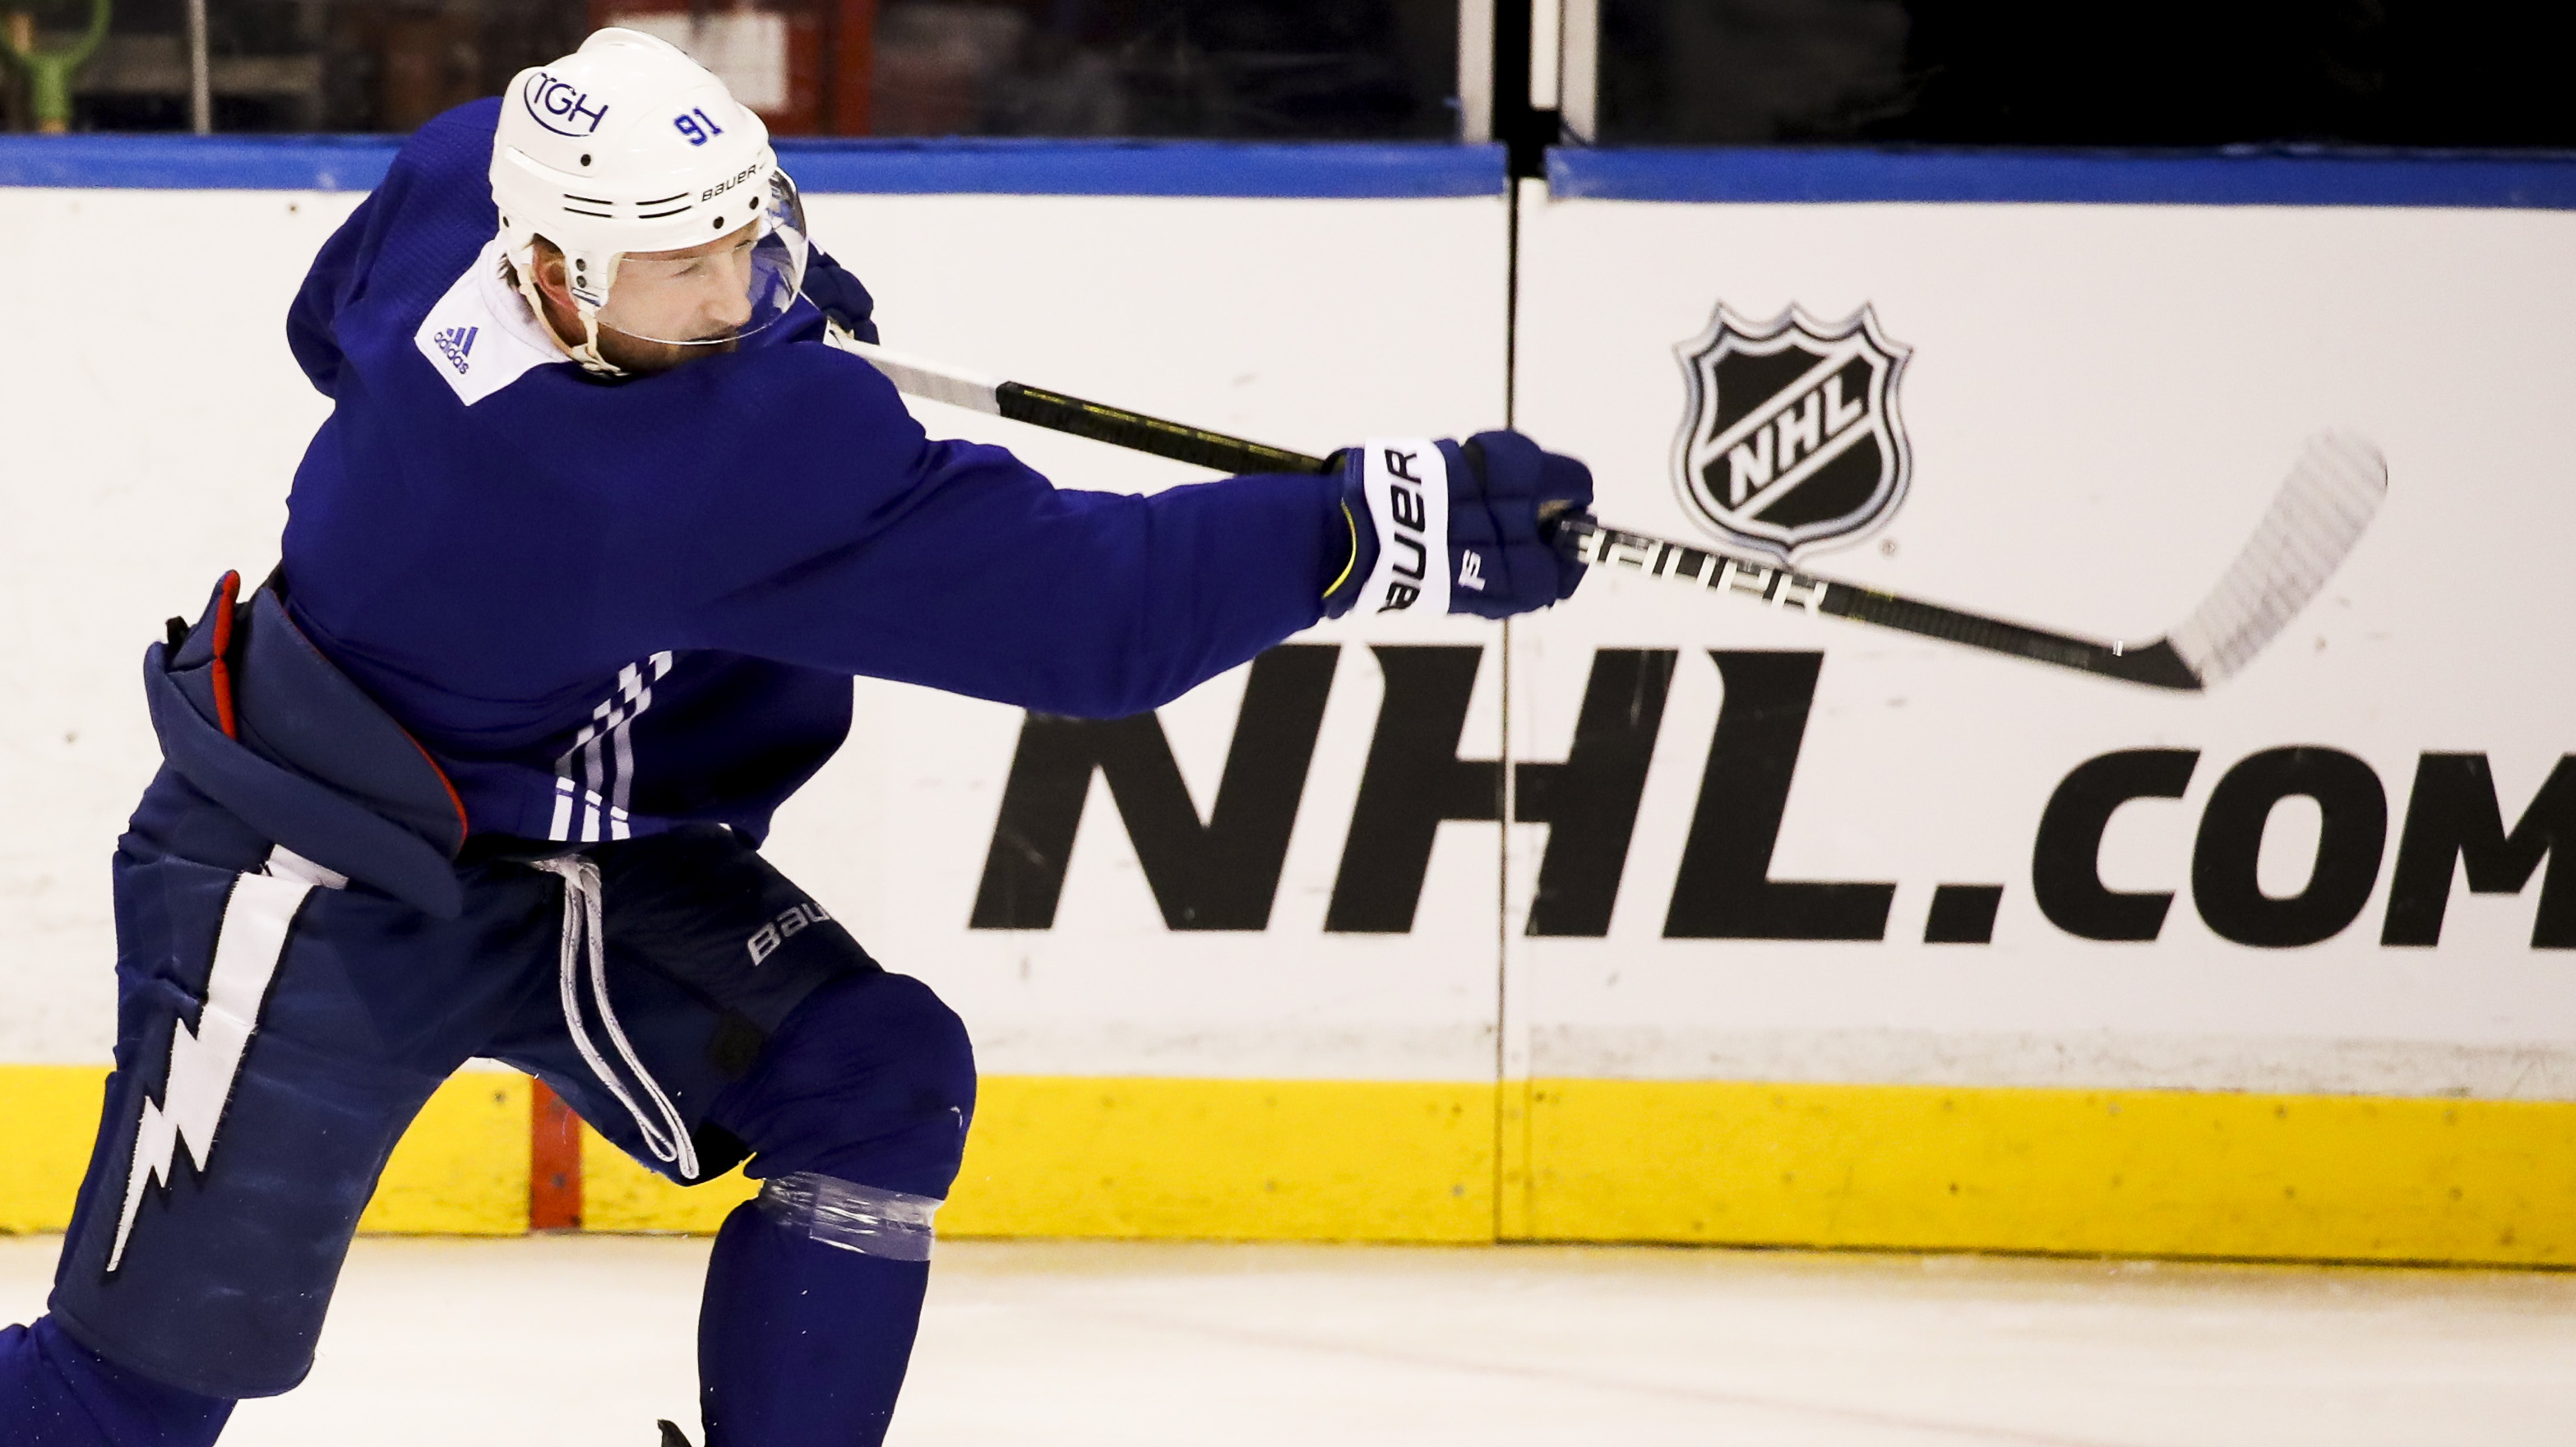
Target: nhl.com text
(1222, 872)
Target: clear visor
(718, 293)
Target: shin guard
(808, 1322)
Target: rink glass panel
(1266, 69)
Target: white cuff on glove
(1405, 481)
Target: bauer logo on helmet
(747, 172)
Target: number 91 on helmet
(631, 167)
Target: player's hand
(839, 296)
(1504, 506)
(1465, 527)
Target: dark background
(2464, 73)
(1324, 69)
(2472, 73)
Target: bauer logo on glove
(1458, 527)
(1405, 485)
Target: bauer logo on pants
(1791, 440)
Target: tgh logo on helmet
(1791, 440)
(560, 106)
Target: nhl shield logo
(1791, 441)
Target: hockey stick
(2323, 506)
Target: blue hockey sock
(802, 1341)
(54, 1392)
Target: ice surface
(574, 1341)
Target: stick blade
(2323, 508)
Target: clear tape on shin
(853, 1217)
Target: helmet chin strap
(586, 351)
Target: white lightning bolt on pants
(277, 1035)
(205, 1062)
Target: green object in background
(49, 72)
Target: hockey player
(575, 580)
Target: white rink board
(155, 428)
(1309, 324)
(153, 420)
(2100, 401)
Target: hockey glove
(839, 296)
(1449, 527)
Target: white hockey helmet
(628, 146)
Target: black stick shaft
(1139, 433)
(2155, 665)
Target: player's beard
(645, 358)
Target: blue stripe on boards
(1143, 168)
(2245, 176)
(899, 167)
(198, 163)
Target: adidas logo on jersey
(457, 343)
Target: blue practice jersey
(609, 607)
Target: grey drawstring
(668, 1136)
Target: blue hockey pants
(278, 1028)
